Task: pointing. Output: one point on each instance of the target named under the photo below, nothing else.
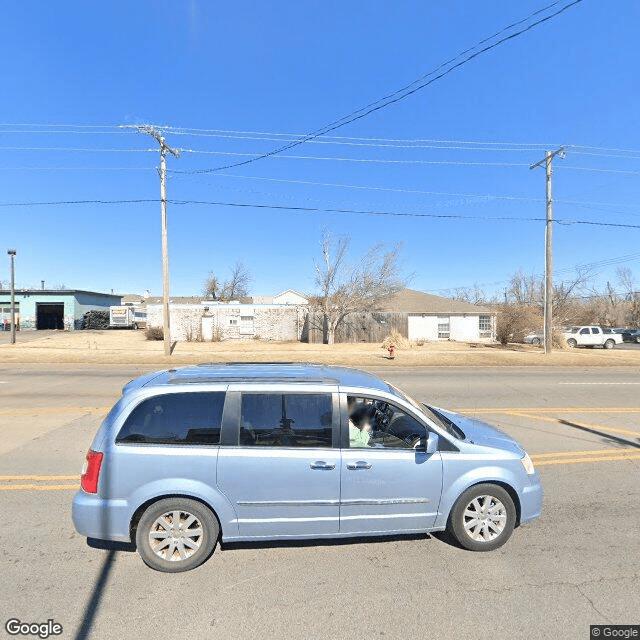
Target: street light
(12, 255)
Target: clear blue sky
(289, 68)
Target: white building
(434, 318)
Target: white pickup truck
(591, 336)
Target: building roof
(57, 292)
(193, 300)
(272, 299)
(412, 301)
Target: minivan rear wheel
(176, 534)
(482, 518)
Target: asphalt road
(577, 565)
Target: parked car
(591, 336)
(533, 338)
(631, 335)
(238, 452)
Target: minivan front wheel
(176, 534)
(483, 518)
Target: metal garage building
(53, 309)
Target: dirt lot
(131, 347)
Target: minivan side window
(286, 420)
(175, 418)
(378, 424)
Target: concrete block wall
(270, 322)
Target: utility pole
(548, 262)
(12, 255)
(162, 171)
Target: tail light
(91, 471)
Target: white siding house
(435, 318)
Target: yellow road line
(591, 452)
(37, 411)
(500, 410)
(39, 478)
(633, 456)
(581, 423)
(39, 487)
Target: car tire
(637, 339)
(196, 538)
(536, 341)
(571, 342)
(494, 526)
(609, 344)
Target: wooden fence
(357, 327)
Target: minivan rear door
(282, 472)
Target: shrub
(216, 336)
(514, 321)
(558, 341)
(154, 333)
(397, 340)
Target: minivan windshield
(444, 423)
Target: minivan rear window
(175, 418)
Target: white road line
(597, 383)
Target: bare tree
(631, 294)
(361, 287)
(472, 295)
(211, 286)
(237, 286)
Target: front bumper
(531, 500)
(95, 517)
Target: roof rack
(254, 363)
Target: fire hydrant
(391, 348)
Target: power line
(77, 149)
(589, 266)
(345, 159)
(376, 188)
(410, 89)
(248, 205)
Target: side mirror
(432, 442)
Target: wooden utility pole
(548, 262)
(12, 255)
(162, 171)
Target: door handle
(361, 464)
(322, 465)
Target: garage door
(50, 315)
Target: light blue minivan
(239, 452)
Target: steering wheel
(381, 416)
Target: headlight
(527, 464)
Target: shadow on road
(97, 592)
(602, 434)
(321, 542)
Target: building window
(484, 326)
(444, 327)
(233, 322)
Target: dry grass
(130, 347)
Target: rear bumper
(95, 517)
(531, 500)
